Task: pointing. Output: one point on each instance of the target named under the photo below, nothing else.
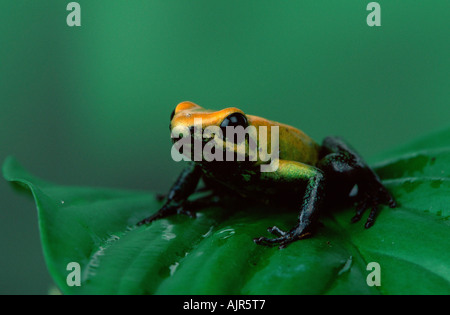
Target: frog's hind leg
(344, 168)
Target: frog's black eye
(234, 120)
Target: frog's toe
(382, 195)
(372, 199)
(361, 207)
(165, 211)
(281, 241)
(276, 231)
(389, 200)
(187, 211)
(150, 219)
(371, 219)
(284, 239)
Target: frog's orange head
(193, 122)
(188, 114)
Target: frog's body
(307, 172)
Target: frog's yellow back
(294, 144)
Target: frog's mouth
(201, 147)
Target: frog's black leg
(344, 168)
(179, 193)
(311, 200)
(162, 197)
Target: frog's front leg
(179, 193)
(296, 174)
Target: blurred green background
(91, 105)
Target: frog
(309, 176)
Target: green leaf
(214, 254)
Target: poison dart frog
(307, 174)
